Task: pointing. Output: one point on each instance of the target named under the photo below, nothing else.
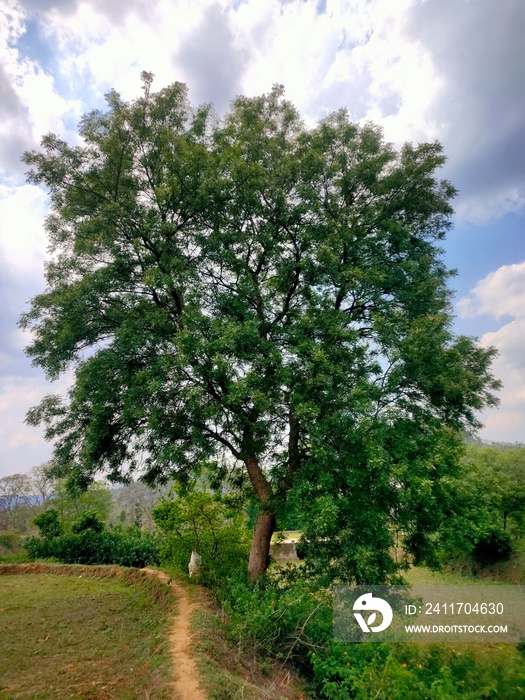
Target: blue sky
(450, 70)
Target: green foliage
(277, 618)
(486, 505)
(368, 489)
(71, 502)
(205, 523)
(493, 547)
(412, 672)
(49, 524)
(251, 285)
(497, 477)
(89, 520)
(90, 543)
(121, 547)
(289, 620)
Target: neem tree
(252, 286)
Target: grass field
(77, 636)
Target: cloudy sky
(451, 70)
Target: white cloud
(355, 55)
(22, 446)
(502, 293)
(487, 207)
(445, 69)
(508, 421)
(102, 53)
(22, 236)
(22, 253)
(31, 105)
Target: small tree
(89, 520)
(49, 524)
(202, 522)
(499, 472)
(486, 505)
(252, 286)
(17, 502)
(135, 503)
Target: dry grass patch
(96, 634)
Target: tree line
(23, 497)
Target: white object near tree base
(193, 566)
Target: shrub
(493, 547)
(204, 523)
(290, 620)
(90, 520)
(279, 617)
(48, 524)
(92, 547)
(411, 672)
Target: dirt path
(186, 682)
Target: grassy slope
(75, 636)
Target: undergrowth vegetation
(284, 620)
(288, 620)
(89, 542)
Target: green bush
(92, 547)
(90, 520)
(413, 672)
(48, 524)
(288, 619)
(493, 547)
(279, 617)
(202, 522)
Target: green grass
(464, 571)
(421, 576)
(18, 557)
(74, 636)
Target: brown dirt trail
(186, 683)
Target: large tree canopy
(251, 286)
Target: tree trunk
(260, 548)
(265, 523)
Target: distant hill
(470, 440)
